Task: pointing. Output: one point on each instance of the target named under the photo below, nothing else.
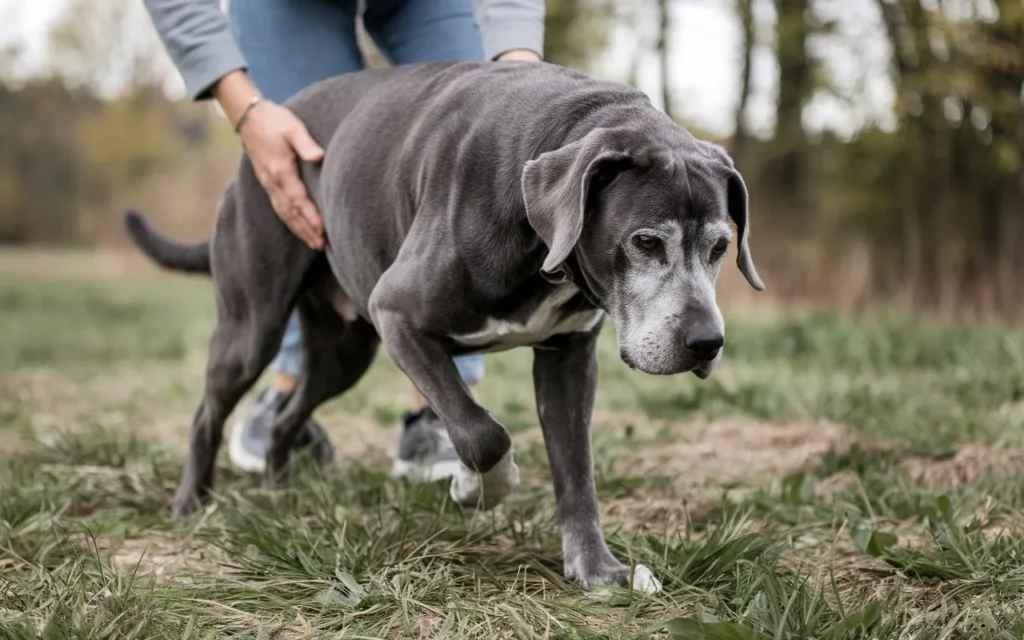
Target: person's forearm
(198, 39)
(508, 26)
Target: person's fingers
(291, 216)
(297, 224)
(297, 197)
(303, 216)
(272, 180)
(301, 228)
(304, 145)
(309, 213)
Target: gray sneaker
(425, 454)
(250, 437)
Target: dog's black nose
(704, 343)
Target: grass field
(834, 480)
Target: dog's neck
(575, 274)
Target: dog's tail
(176, 256)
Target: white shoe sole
(420, 472)
(240, 457)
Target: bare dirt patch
(155, 553)
(970, 462)
(704, 461)
(361, 439)
(123, 398)
(163, 555)
(653, 513)
(731, 451)
(825, 557)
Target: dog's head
(645, 225)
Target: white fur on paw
(485, 490)
(644, 580)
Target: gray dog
(473, 207)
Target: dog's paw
(485, 490)
(596, 576)
(184, 505)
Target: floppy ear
(736, 195)
(556, 187)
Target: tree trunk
(795, 88)
(662, 48)
(741, 139)
(1006, 82)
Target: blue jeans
(291, 44)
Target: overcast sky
(705, 53)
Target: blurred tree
(577, 30)
(933, 209)
(99, 133)
(944, 218)
(664, 64)
(796, 85)
(107, 46)
(964, 121)
(39, 171)
(745, 16)
(1002, 71)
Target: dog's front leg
(565, 383)
(489, 472)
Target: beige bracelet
(245, 114)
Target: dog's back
(406, 143)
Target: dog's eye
(719, 250)
(645, 242)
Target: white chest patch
(546, 320)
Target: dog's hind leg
(336, 354)
(239, 351)
(258, 270)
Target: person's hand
(524, 55)
(274, 139)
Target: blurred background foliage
(923, 207)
